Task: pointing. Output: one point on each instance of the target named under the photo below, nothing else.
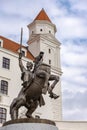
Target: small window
(32, 32)
(49, 62)
(41, 30)
(4, 87)
(49, 50)
(49, 31)
(23, 53)
(3, 112)
(6, 63)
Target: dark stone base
(29, 120)
(29, 124)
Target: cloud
(75, 105)
(74, 85)
(79, 5)
(74, 63)
(75, 53)
(71, 27)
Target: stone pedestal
(29, 124)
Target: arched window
(6, 63)
(4, 87)
(49, 62)
(49, 31)
(49, 50)
(3, 112)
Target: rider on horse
(28, 75)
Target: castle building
(41, 38)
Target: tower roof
(42, 16)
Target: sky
(70, 18)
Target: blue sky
(70, 18)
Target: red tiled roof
(42, 16)
(14, 47)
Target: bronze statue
(35, 83)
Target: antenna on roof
(21, 39)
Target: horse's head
(44, 67)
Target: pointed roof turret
(42, 16)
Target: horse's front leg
(50, 88)
(56, 79)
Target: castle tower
(42, 38)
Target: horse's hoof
(29, 116)
(52, 95)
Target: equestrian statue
(36, 79)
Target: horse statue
(35, 83)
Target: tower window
(49, 62)
(6, 63)
(49, 50)
(4, 87)
(49, 31)
(3, 112)
(32, 32)
(41, 30)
